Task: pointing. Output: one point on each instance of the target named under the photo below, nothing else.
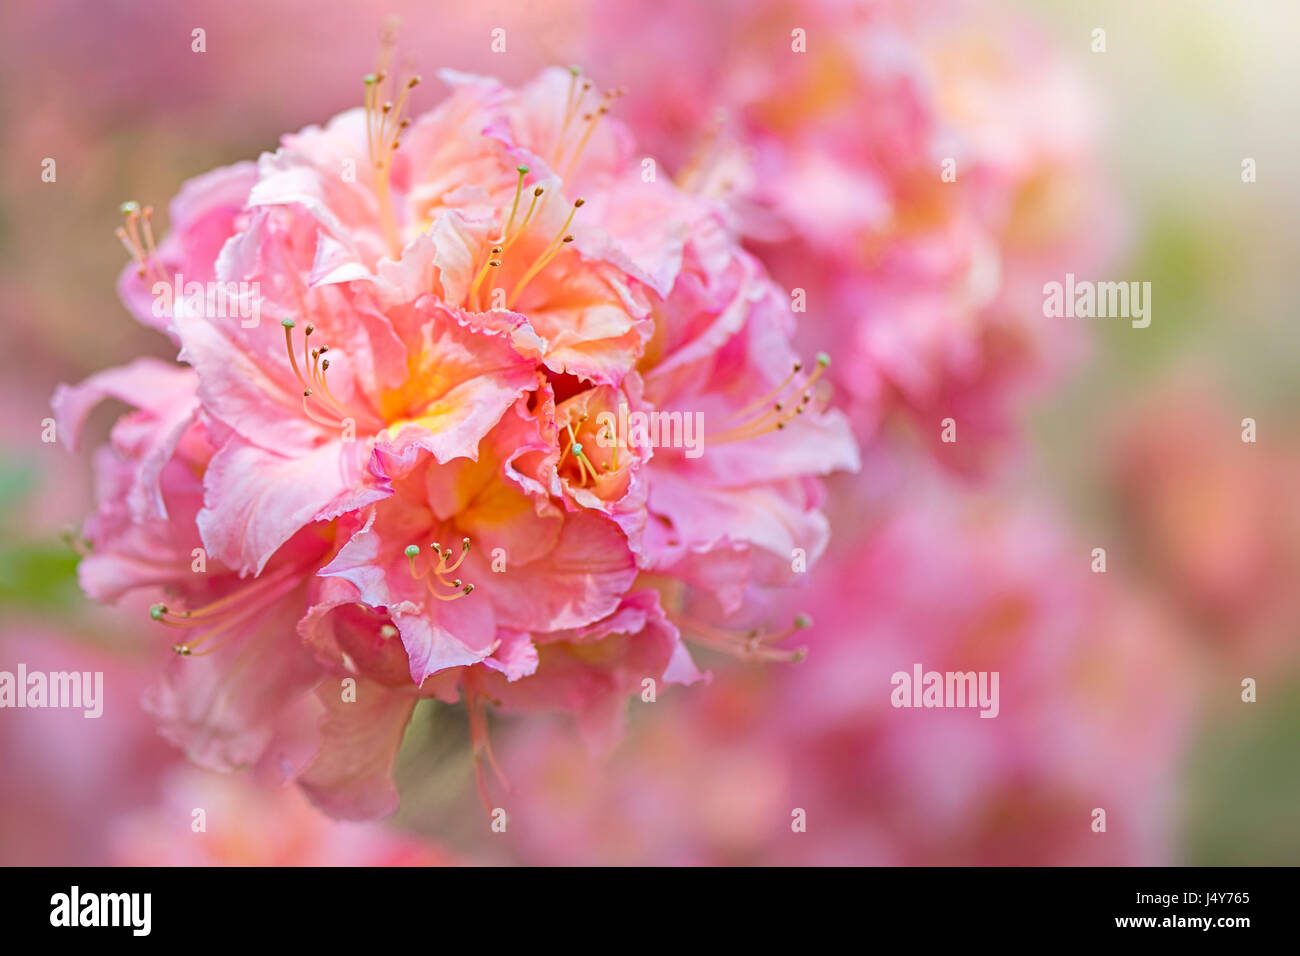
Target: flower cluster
(405, 475)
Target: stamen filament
(585, 462)
(510, 241)
(778, 416)
(753, 646)
(514, 207)
(493, 260)
(338, 423)
(591, 119)
(306, 348)
(143, 252)
(551, 251)
(572, 101)
(324, 367)
(288, 345)
(464, 550)
(437, 573)
(769, 397)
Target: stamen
(306, 345)
(571, 101)
(149, 245)
(316, 418)
(384, 125)
(513, 237)
(464, 550)
(778, 416)
(81, 546)
(438, 572)
(328, 403)
(236, 600)
(144, 252)
(480, 739)
(754, 406)
(324, 367)
(612, 436)
(591, 119)
(550, 253)
(689, 173)
(413, 552)
(288, 345)
(514, 206)
(752, 645)
(585, 462)
(187, 649)
(225, 613)
(493, 261)
(503, 242)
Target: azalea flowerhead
(398, 482)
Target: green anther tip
(577, 448)
(287, 323)
(157, 611)
(823, 359)
(522, 170)
(129, 207)
(412, 550)
(802, 621)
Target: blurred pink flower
(67, 776)
(1211, 518)
(1093, 705)
(834, 160)
(108, 791)
(267, 486)
(244, 823)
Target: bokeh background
(1120, 690)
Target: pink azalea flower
(401, 461)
